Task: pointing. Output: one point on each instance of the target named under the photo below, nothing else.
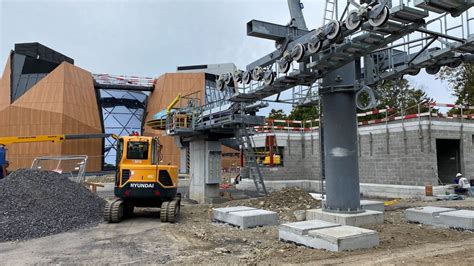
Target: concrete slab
(302, 228)
(346, 237)
(221, 214)
(372, 205)
(463, 219)
(252, 218)
(353, 219)
(245, 217)
(426, 215)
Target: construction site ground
(196, 239)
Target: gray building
(402, 154)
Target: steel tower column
(340, 139)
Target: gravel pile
(39, 203)
(284, 202)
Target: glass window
(137, 150)
(122, 113)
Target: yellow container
(276, 160)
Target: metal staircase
(250, 159)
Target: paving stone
(463, 219)
(426, 215)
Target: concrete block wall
(301, 157)
(408, 159)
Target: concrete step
(330, 236)
(245, 217)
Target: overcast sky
(149, 38)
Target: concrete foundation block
(372, 205)
(221, 214)
(329, 236)
(352, 219)
(302, 228)
(463, 219)
(346, 237)
(426, 215)
(245, 217)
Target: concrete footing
(462, 219)
(330, 236)
(372, 205)
(245, 217)
(442, 217)
(352, 219)
(425, 215)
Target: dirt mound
(39, 203)
(284, 202)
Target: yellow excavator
(140, 179)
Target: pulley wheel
(269, 77)
(228, 78)
(284, 66)
(315, 46)
(381, 19)
(220, 84)
(335, 30)
(433, 70)
(246, 78)
(298, 51)
(256, 74)
(353, 21)
(414, 72)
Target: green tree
(277, 114)
(304, 113)
(399, 95)
(461, 81)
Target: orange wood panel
(63, 102)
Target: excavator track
(173, 210)
(164, 212)
(113, 211)
(170, 210)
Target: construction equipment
(140, 180)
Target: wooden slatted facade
(63, 102)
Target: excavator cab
(141, 181)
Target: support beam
(272, 31)
(296, 13)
